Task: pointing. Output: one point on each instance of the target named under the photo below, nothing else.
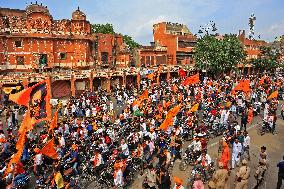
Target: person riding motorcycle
(196, 145)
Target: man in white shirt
(236, 154)
(204, 159)
(196, 145)
(124, 148)
(246, 144)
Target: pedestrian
(242, 176)
(282, 111)
(178, 183)
(164, 179)
(198, 184)
(150, 179)
(220, 178)
(236, 154)
(280, 166)
(259, 174)
(246, 144)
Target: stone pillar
(105, 82)
(168, 74)
(91, 81)
(138, 79)
(73, 87)
(124, 79)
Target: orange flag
(243, 85)
(273, 95)
(194, 108)
(150, 76)
(173, 112)
(261, 81)
(191, 80)
(53, 123)
(15, 159)
(27, 124)
(37, 99)
(49, 150)
(144, 95)
(169, 119)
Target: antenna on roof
(78, 8)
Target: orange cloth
(191, 80)
(250, 115)
(49, 150)
(178, 180)
(34, 93)
(225, 157)
(243, 85)
(53, 123)
(273, 95)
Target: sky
(136, 17)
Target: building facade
(178, 40)
(35, 46)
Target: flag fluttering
(53, 123)
(169, 118)
(194, 108)
(37, 99)
(273, 95)
(49, 150)
(243, 85)
(181, 73)
(191, 80)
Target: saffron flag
(181, 73)
(243, 85)
(169, 119)
(37, 99)
(53, 123)
(261, 81)
(273, 95)
(150, 76)
(49, 150)
(14, 159)
(27, 124)
(144, 95)
(194, 108)
(191, 80)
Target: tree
(268, 59)
(218, 56)
(108, 29)
(130, 42)
(102, 28)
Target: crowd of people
(111, 138)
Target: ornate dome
(78, 15)
(35, 8)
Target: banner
(37, 99)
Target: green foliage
(108, 29)
(218, 56)
(102, 28)
(268, 59)
(130, 42)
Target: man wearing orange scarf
(225, 157)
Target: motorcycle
(187, 159)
